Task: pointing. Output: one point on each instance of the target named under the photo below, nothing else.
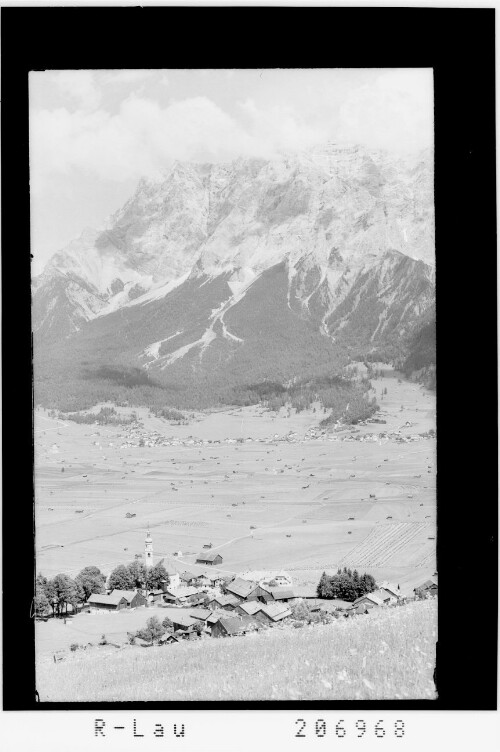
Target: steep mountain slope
(214, 274)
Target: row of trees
(137, 575)
(62, 590)
(346, 585)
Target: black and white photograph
(234, 364)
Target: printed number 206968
(341, 729)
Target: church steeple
(148, 550)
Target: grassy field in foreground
(383, 655)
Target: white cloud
(143, 136)
(79, 85)
(395, 112)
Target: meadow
(386, 654)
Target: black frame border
(459, 44)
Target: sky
(95, 133)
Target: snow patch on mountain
(153, 350)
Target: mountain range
(213, 275)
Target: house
(368, 599)
(393, 590)
(227, 602)
(248, 608)
(173, 578)
(168, 639)
(230, 626)
(212, 579)
(180, 596)
(134, 598)
(103, 602)
(429, 587)
(241, 588)
(156, 596)
(182, 622)
(187, 578)
(214, 617)
(213, 559)
(200, 614)
(272, 613)
(261, 594)
(388, 594)
(282, 579)
(204, 580)
(283, 594)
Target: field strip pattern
(428, 560)
(384, 542)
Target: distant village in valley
(206, 602)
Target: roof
(182, 592)
(207, 556)
(280, 593)
(113, 599)
(215, 616)
(211, 576)
(241, 587)
(305, 591)
(188, 576)
(251, 607)
(276, 611)
(381, 593)
(393, 589)
(200, 613)
(370, 596)
(226, 600)
(427, 584)
(235, 624)
(184, 620)
(127, 594)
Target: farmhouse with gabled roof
(212, 559)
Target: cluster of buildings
(137, 436)
(209, 603)
(390, 595)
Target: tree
(168, 624)
(65, 591)
(347, 591)
(91, 580)
(137, 574)
(156, 576)
(368, 583)
(153, 630)
(50, 592)
(41, 601)
(120, 578)
(324, 586)
(300, 611)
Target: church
(172, 572)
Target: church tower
(148, 550)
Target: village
(137, 436)
(206, 603)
